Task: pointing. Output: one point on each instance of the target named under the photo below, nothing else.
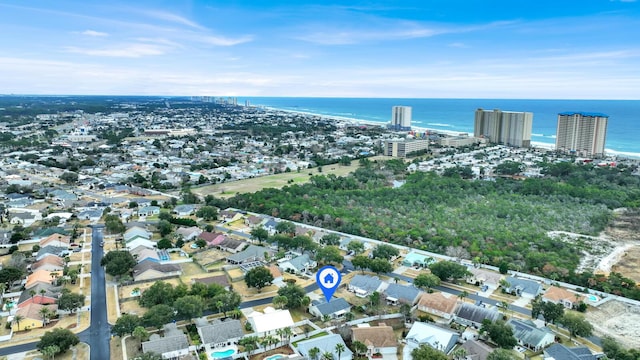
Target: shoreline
(534, 144)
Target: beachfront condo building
(400, 118)
(511, 128)
(582, 133)
(402, 148)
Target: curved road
(99, 332)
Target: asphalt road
(99, 332)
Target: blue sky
(587, 49)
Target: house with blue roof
(365, 285)
(184, 209)
(431, 335)
(402, 294)
(270, 226)
(531, 336)
(326, 344)
(335, 308)
(523, 287)
(561, 352)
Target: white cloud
(125, 51)
(458, 45)
(171, 17)
(223, 41)
(94, 33)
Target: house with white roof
(432, 335)
(270, 320)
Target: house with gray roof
(531, 336)
(184, 209)
(298, 265)
(431, 335)
(523, 287)
(172, 345)
(52, 250)
(325, 343)
(151, 270)
(250, 254)
(365, 285)
(402, 294)
(473, 315)
(476, 350)
(219, 333)
(561, 352)
(92, 215)
(148, 211)
(335, 308)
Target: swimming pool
(274, 357)
(592, 298)
(224, 353)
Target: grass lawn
(191, 270)
(112, 313)
(277, 181)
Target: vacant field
(277, 181)
(628, 264)
(618, 320)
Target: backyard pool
(592, 298)
(227, 352)
(275, 357)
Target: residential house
(211, 238)
(476, 350)
(431, 335)
(335, 308)
(52, 250)
(142, 253)
(188, 233)
(531, 336)
(250, 254)
(92, 215)
(184, 210)
(136, 231)
(41, 293)
(219, 333)
(304, 231)
(277, 275)
(231, 245)
(561, 352)
(173, 345)
(473, 315)
(269, 320)
(380, 341)
(31, 316)
(326, 344)
(418, 260)
(558, 295)
(48, 263)
(25, 219)
(298, 265)
(55, 239)
(229, 216)
(150, 270)
(221, 280)
(148, 211)
(440, 304)
(402, 294)
(138, 241)
(365, 285)
(270, 226)
(484, 277)
(41, 277)
(253, 221)
(523, 287)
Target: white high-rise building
(511, 128)
(582, 133)
(401, 118)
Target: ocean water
(623, 130)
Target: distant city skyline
(413, 49)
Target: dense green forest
(497, 222)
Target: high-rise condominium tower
(504, 127)
(401, 118)
(582, 133)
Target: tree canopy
(62, 338)
(258, 277)
(118, 262)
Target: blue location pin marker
(328, 279)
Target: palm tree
(459, 354)
(504, 305)
(340, 348)
(287, 332)
(359, 347)
(45, 312)
(17, 318)
(32, 293)
(327, 356)
(313, 353)
(463, 295)
(42, 292)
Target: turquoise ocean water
(457, 115)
